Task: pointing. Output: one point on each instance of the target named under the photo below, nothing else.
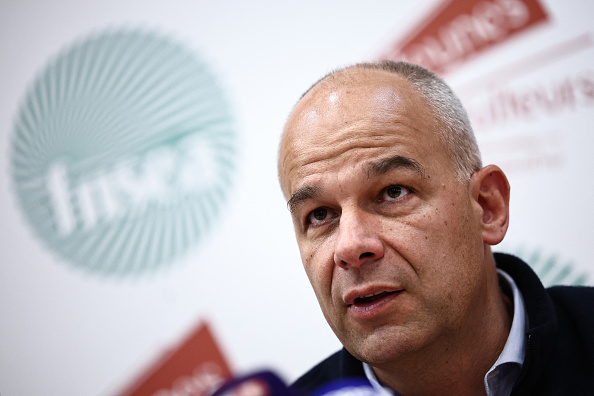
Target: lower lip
(373, 309)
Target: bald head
(353, 82)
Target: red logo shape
(196, 368)
(458, 30)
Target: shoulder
(572, 357)
(574, 306)
(560, 324)
(580, 296)
(337, 366)
(554, 306)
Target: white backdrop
(68, 331)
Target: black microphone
(347, 387)
(262, 383)
(266, 383)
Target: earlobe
(490, 189)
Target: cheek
(453, 254)
(435, 240)
(318, 264)
(321, 277)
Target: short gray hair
(457, 136)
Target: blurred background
(145, 246)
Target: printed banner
(195, 368)
(459, 30)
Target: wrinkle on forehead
(306, 162)
(329, 147)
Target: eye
(320, 213)
(318, 216)
(395, 192)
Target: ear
(490, 189)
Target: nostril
(365, 255)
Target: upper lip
(367, 291)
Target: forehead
(353, 118)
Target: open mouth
(371, 298)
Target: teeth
(372, 294)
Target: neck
(457, 363)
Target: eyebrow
(386, 165)
(377, 168)
(302, 194)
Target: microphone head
(262, 383)
(266, 383)
(348, 387)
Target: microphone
(266, 383)
(347, 387)
(262, 383)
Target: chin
(383, 346)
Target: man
(395, 216)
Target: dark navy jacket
(559, 340)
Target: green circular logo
(122, 152)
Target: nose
(358, 240)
